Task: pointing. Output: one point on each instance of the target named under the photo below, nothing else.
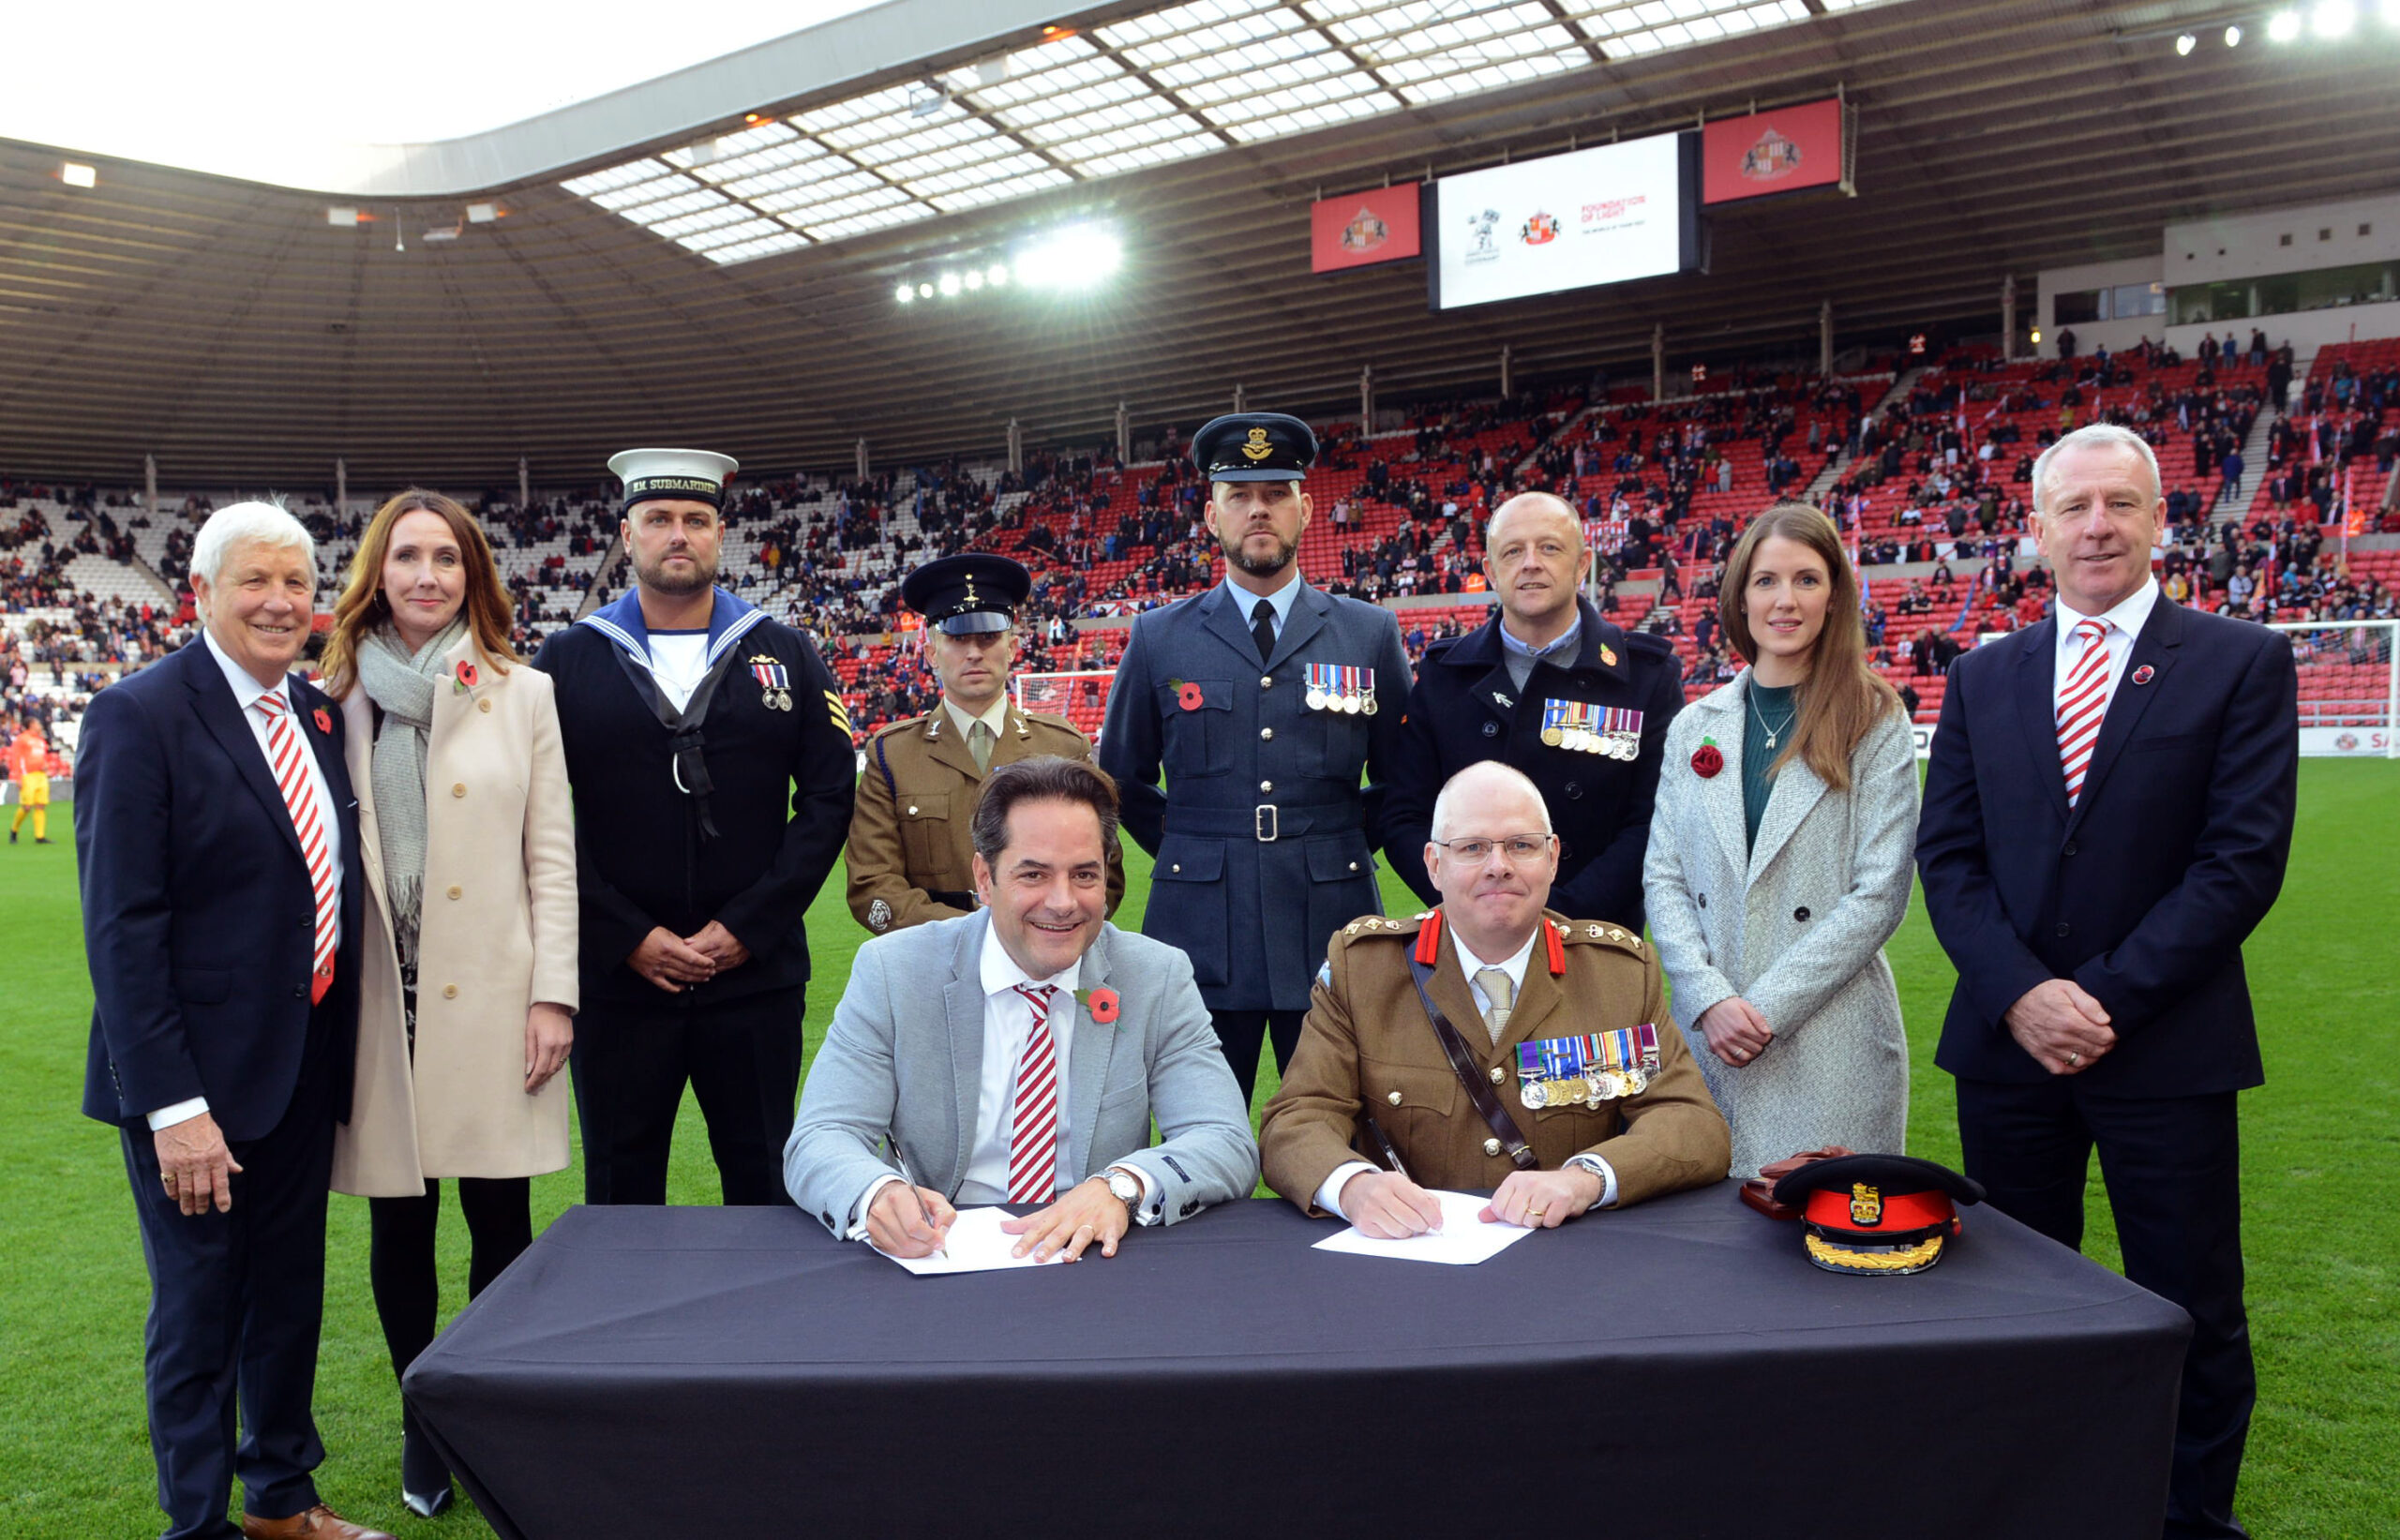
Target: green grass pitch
(2320, 1185)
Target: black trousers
(1240, 1032)
(400, 1258)
(2173, 1171)
(236, 1303)
(742, 1059)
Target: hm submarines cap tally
(697, 474)
(1879, 1215)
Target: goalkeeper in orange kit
(29, 767)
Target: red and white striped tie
(1033, 1125)
(2083, 700)
(289, 759)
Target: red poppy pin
(466, 680)
(1707, 759)
(325, 720)
(2144, 674)
(1100, 1004)
(1187, 695)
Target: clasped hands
(1388, 1206)
(2062, 1025)
(1737, 1033)
(676, 962)
(914, 1222)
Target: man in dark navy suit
(2107, 818)
(217, 842)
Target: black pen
(942, 1251)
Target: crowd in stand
(1950, 466)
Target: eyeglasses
(1518, 847)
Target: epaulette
(1050, 719)
(1600, 933)
(901, 725)
(1651, 643)
(1370, 927)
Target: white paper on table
(1463, 1241)
(976, 1243)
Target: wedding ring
(2074, 1058)
(1536, 1213)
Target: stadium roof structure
(711, 258)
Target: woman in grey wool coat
(1779, 858)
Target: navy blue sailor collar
(621, 621)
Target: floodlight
(78, 176)
(2333, 18)
(1077, 257)
(904, 293)
(2037, 337)
(995, 275)
(2234, 36)
(974, 279)
(2184, 44)
(2283, 26)
(948, 286)
(343, 217)
(482, 214)
(924, 291)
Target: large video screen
(1564, 221)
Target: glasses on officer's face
(1519, 848)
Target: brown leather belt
(1503, 1128)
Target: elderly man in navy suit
(1262, 700)
(218, 843)
(2105, 820)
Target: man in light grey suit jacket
(957, 1045)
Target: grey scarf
(403, 686)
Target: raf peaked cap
(696, 474)
(1255, 446)
(1879, 1215)
(968, 593)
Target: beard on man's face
(659, 579)
(1259, 567)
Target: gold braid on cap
(1918, 1255)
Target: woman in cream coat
(469, 984)
(1779, 858)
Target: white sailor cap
(695, 473)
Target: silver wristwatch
(1125, 1187)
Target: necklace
(1773, 732)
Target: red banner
(1363, 228)
(1768, 153)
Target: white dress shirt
(679, 660)
(2124, 623)
(1470, 965)
(1008, 1022)
(247, 692)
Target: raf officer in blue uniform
(1548, 687)
(1263, 700)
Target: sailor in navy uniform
(1262, 700)
(1549, 687)
(713, 769)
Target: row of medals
(1595, 1087)
(775, 699)
(1626, 746)
(1320, 700)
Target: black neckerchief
(688, 765)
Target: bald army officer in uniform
(910, 854)
(1505, 972)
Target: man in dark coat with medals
(1262, 700)
(1549, 687)
(713, 769)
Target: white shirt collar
(1245, 601)
(996, 718)
(247, 689)
(2129, 615)
(1514, 965)
(999, 970)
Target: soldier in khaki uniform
(911, 855)
(1505, 972)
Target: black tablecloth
(1678, 1368)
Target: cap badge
(1866, 1204)
(1258, 448)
